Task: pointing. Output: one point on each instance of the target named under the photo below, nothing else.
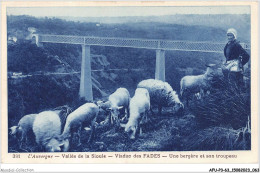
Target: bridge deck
(137, 43)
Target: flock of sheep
(54, 132)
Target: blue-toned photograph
(129, 78)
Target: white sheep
(47, 130)
(21, 131)
(64, 111)
(161, 94)
(190, 85)
(120, 99)
(83, 116)
(139, 108)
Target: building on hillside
(31, 30)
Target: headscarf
(232, 31)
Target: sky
(123, 11)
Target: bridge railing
(160, 46)
(137, 43)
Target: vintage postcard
(129, 82)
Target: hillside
(18, 25)
(218, 21)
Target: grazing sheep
(47, 130)
(139, 107)
(161, 94)
(64, 111)
(83, 116)
(118, 100)
(190, 85)
(22, 129)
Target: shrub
(226, 105)
(219, 138)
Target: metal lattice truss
(137, 43)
